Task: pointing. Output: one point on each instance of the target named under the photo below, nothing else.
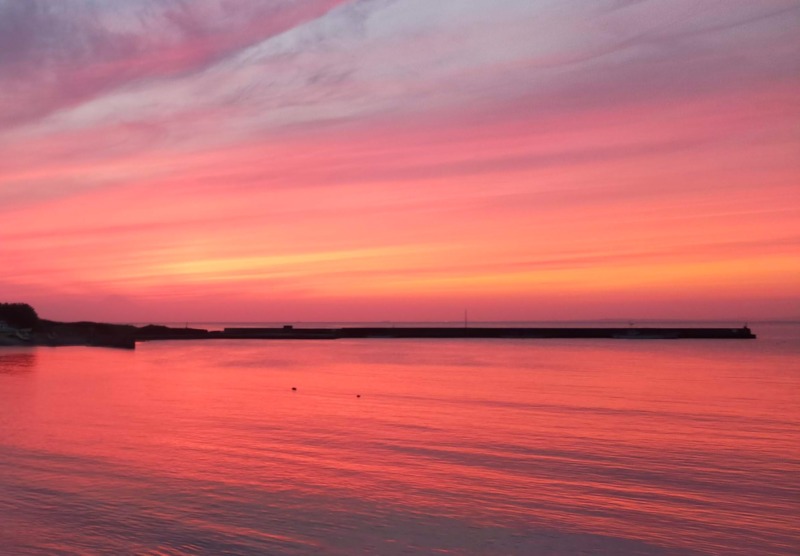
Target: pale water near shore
(459, 447)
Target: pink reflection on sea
(463, 447)
(16, 360)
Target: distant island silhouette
(21, 325)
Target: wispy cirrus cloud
(55, 55)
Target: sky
(400, 160)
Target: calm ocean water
(453, 447)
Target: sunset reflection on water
(17, 361)
(469, 447)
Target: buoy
(294, 389)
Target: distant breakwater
(632, 333)
(126, 336)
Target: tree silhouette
(20, 315)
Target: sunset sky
(268, 160)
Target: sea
(404, 446)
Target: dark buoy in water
(358, 395)
(294, 388)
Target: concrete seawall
(483, 332)
(126, 336)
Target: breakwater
(632, 333)
(126, 336)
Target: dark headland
(20, 325)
